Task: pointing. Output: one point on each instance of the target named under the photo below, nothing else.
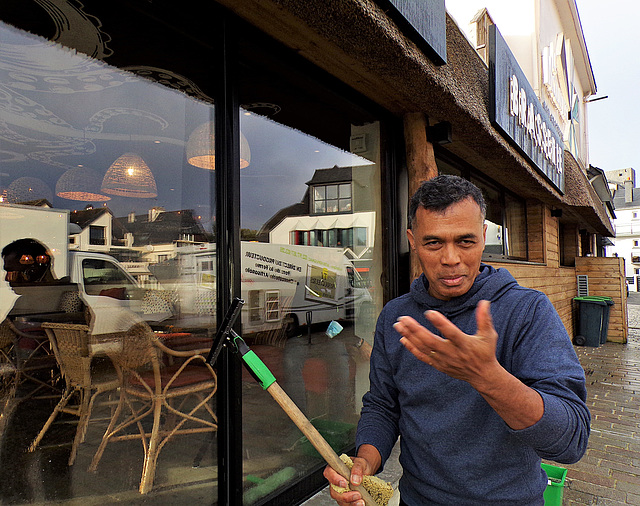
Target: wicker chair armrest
(19, 332)
(175, 353)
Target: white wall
(528, 31)
(627, 233)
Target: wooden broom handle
(316, 439)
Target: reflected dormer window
(332, 198)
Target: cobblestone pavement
(609, 473)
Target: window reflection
(316, 262)
(95, 174)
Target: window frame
(466, 171)
(338, 198)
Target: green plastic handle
(261, 371)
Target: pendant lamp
(201, 148)
(26, 189)
(80, 183)
(130, 176)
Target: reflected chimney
(628, 191)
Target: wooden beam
(421, 162)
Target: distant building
(98, 231)
(626, 244)
(331, 214)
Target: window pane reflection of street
(311, 270)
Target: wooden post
(421, 162)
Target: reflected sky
(60, 110)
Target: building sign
(423, 22)
(515, 109)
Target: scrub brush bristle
(380, 490)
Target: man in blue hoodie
(475, 373)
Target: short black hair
(442, 191)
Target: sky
(612, 36)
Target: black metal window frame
(227, 205)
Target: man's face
(449, 245)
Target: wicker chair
(31, 356)
(157, 381)
(70, 343)
(8, 373)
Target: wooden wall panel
(535, 231)
(607, 278)
(551, 235)
(557, 283)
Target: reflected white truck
(96, 274)
(284, 286)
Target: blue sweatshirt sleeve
(544, 359)
(378, 425)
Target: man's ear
(484, 233)
(411, 238)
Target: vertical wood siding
(607, 278)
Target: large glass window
(332, 198)
(315, 206)
(494, 243)
(107, 148)
(506, 217)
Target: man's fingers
(484, 321)
(415, 350)
(446, 328)
(420, 336)
(334, 477)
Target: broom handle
(316, 439)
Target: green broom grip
(256, 367)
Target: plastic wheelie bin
(593, 320)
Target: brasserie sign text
(518, 113)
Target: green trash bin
(555, 484)
(593, 320)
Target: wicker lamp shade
(130, 176)
(80, 183)
(26, 189)
(201, 148)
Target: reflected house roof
(166, 228)
(86, 217)
(299, 209)
(36, 203)
(331, 175)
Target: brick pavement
(609, 473)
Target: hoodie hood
(490, 285)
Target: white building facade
(627, 224)
(546, 39)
